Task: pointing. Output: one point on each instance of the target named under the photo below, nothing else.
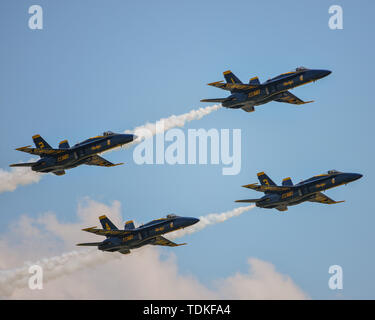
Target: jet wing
(288, 97)
(102, 232)
(40, 152)
(232, 86)
(322, 198)
(99, 161)
(161, 241)
(263, 188)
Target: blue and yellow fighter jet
(247, 96)
(66, 157)
(132, 238)
(280, 197)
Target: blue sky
(116, 65)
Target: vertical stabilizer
(40, 143)
(230, 77)
(64, 144)
(265, 180)
(106, 223)
(129, 225)
(287, 182)
(254, 81)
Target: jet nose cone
(350, 177)
(190, 221)
(195, 220)
(126, 138)
(323, 73)
(356, 176)
(319, 74)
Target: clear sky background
(115, 65)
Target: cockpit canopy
(301, 68)
(333, 171)
(171, 215)
(108, 133)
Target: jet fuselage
(79, 153)
(273, 89)
(306, 190)
(66, 157)
(146, 234)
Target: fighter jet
(66, 157)
(131, 237)
(280, 197)
(247, 96)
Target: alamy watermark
(336, 20)
(336, 281)
(36, 280)
(36, 20)
(175, 147)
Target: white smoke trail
(17, 176)
(53, 268)
(149, 130)
(173, 121)
(177, 121)
(209, 219)
(70, 262)
(20, 176)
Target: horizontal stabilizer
(265, 188)
(89, 244)
(214, 100)
(249, 200)
(39, 151)
(109, 233)
(28, 164)
(233, 87)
